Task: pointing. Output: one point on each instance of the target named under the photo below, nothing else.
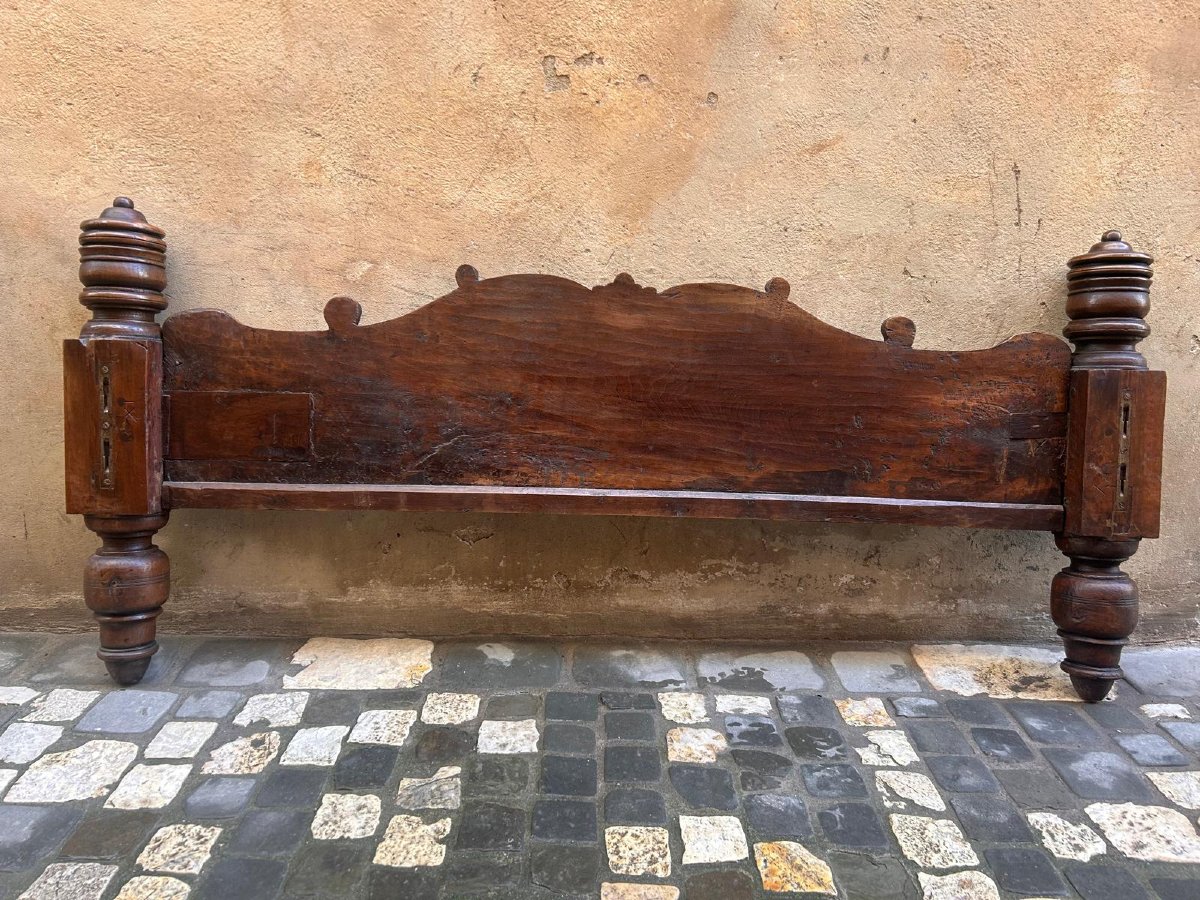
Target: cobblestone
(267, 768)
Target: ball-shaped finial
(342, 315)
(465, 275)
(123, 202)
(899, 330)
(1112, 235)
(778, 287)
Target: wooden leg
(125, 584)
(1095, 607)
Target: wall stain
(1017, 182)
(554, 81)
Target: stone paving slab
(267, 768)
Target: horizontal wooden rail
(584, 501)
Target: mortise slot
(105, 428)
(1123, 453)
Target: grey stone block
(16, 649)
(1164, 671)
(1098, 775)
(219, 798)
(72, 662)
(638, 666)
(29, 833)
(875, 672)
(127, 712)
(208, 705)
(500, 665)
(759, 670)
(231, 662)
(1150, 750)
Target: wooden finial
(122, 264)
(1108, 299)
(778, 287)
(899, 330)
(466, 274)
(342, 315)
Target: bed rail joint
(113, 431)
(1111, 486)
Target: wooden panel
(1114, 453)
(531, 380)
(113, 433)
(581, 501)
(223, 424)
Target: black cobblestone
(835, 781)
(634, 806)
(1002, 744)
(962, 774)
(704, 787)
(853, 825)
(572, 706)
(1025, 872)
(632, 763)
(814, 742)
(1098, 775)
(564, 820)
(531, 825)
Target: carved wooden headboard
(530, 393)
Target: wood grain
(583, 501)
(1111, 486)
(113, 431)
(536, 381)
(534, 394)
(1114, 458)
(113, 434)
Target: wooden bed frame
(529, 393)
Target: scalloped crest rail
(530, 393)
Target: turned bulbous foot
(126, 672)
(1094, 604)
(1091, 689)
(125, 585)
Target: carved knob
(899, 330)
(1107, 302)
(342, 315)
(122, 265)
(465, 275)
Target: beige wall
(939, 160)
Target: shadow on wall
(455, 574)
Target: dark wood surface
(1115, 456)
(113, 435)
(112, 392)
(535, 381)
(1114, 460)
(584, 501)
(529, 393)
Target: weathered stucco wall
(938, 160)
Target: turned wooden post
(1114, 460)
(113, 435)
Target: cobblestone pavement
(400, 768)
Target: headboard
(535, 393)
(538, 382)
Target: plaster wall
(938, 160)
